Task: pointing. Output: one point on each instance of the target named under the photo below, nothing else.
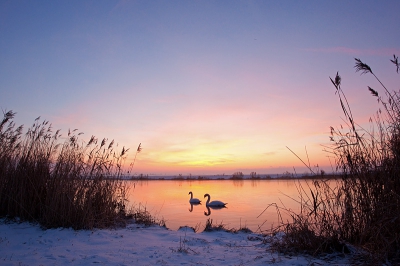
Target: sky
(206, 87)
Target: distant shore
(233, 177)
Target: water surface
(247, 199)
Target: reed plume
(138, 150)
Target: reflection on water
(168, 199)
(238, 182)
(208, 212)
(191, 206)
(254, 182)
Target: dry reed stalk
(363, 208)
(57, 183)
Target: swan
(214, 203)
(193, 200)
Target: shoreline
(228, 178)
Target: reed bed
(60, 182)
(363, 208)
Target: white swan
(193, 200)
(214, 203)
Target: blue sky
(205, 86)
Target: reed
(142, 216)
(237, 176)
(60, 182)
(363, 207)
(211, 226)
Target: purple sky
(207, 87)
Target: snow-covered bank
(27, 244)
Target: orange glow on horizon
(199, 162)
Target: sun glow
(200, 95)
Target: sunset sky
(207, 87)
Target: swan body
(214, 203)
(193, 200)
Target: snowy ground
(27, 244)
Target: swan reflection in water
(208, 212)
(191, 206)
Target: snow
(28, 244)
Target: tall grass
(363, 208)
(59, 182)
